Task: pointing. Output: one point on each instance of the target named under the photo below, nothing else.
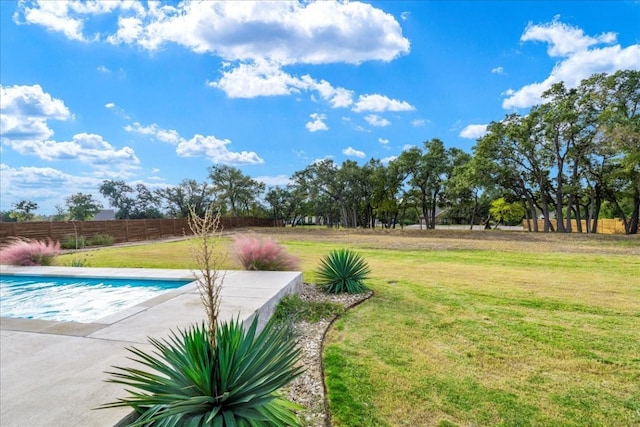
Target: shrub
(27, 252)
(343, 271)
(233, 383)
(73, 242)
(100, 240)
(263, 254)
(292, 308)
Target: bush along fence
(121, 230)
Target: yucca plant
(216, 373)
(232, 384)
(343, 271)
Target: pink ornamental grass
(27, 252)
(263, 254)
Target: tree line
(571, 160)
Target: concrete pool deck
(52, 373)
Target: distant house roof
(105, 214)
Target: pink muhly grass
(27, 252)
(263, 254)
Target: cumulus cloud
(498, 70)
(48, 186)
(473, 131)
(26, 111)
(375, 120)
(85, 147)
(109, 105)
(267, 78)
(380, 103)
(383, 141)
(386, 160)
(418, 122)
(198, 146)
(349, 151)
(580, 57)
(285, 31)
(279, 180)
(317, 123)
(216, 150)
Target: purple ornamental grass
(263, 254)
(28, 252)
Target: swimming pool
(76, 299)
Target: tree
(234, 190)
(505, 212)
(82, 207)
(138, 203)
(23, 210)
(186, 196)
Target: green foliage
(292, 309)
(343, 271)
(234, 383)
(100, 240)
(78, 262)
(73, 242)
(82, 207)
(506, 212)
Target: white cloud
(473, 131)
(208, 146)
(87, 148)
(375, 120)
(405, 15)
(418, 122)
(171, 136)
(274, 180)
(317, 123)
(266, 78)
(349, 151)
(498, 70)
(386, 160)
(563, 39)
(285, 31)
(25, 111)
(406, 147)
(216, 150)
(103, 69)
(68, 17)
(109, 105)
(383, 141)
(580, 58)
(47, 186)
(380, 103)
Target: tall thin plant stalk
(207, 231)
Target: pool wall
(53, 372)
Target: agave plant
(193, 383)
(343, 271)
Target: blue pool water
(75, 299)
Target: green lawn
(525, 332)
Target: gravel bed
(308, 389)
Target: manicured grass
(511, 330)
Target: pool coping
(37, 354)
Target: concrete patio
(52, 373)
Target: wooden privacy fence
(121, 230)
(605, 226)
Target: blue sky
(154, 93)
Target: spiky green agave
(342, 271)
(193, 384)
